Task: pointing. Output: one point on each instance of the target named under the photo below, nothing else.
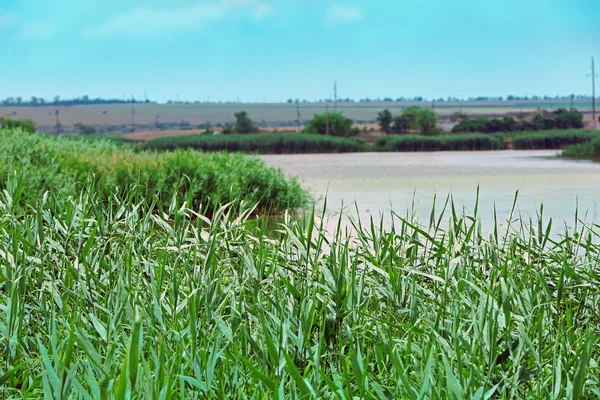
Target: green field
(271, 113)
(107, 291)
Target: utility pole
(594, 94)
(572, 97)
(132, 114)
(327, 123)
(57, 121)
(335, 94)
(298, 116)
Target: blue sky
(271, 50)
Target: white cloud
(38, 31)
(6, 19)
(343, 14)
(145, 20)
(262, 11)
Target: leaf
(452, 382)
(583, 361)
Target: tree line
(36, 101)
(559, 119)
(57, 101)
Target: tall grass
(204, 180)
(258, 143)
(106, 299)
(552, 139)
(455, 142)
(586, 151)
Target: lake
(380, 182)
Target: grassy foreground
(203, 180)
(97, 303)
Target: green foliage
(243, 124)
(552, 139)
(426, 121)
(337, 124)
(385, 118)
(587, 151)
(482, 125)
(410, 115)
(402, 124)
(418, 119)
(115, 138)
(205, 181)
(568, 119)
(85, 129)
(102, 297)
(562, 119)
(23, 125)
(267, 143)
(410, 143)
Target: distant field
(273, 114)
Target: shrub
(334, 121)
(243, 124)
(84, 129)
(24, 125)
(426, 121)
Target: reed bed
(551, 140)
(269, 143)
(106, 298)
(205, 181)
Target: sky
(272, 50)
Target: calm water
(380, 182)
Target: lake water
(380, 182)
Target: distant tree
(85, 129)
(426, 121)
(228, 129)
(541, 123)
(337, 123)
(410, 114)
(243, 123)
(401, 124)
(385, 118)
(567, 119)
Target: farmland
(268, 114)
